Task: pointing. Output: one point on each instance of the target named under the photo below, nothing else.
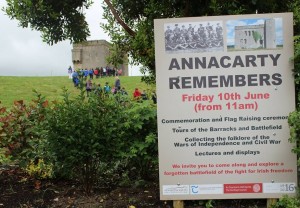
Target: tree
(57, 20)
(130, 22)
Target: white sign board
(225, 89)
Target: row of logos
(245, 188)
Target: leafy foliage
(19, 133)
(106, 137)
(39, 169)
(296, 60)
(141, 134)
(294, 117)
(57, 20)
(84, 135)
(294, 123)
(287, 202)
(4, 158)
(78, 133)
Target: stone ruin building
(256, 36)
(92, 54)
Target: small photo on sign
(194, 37)
(254, 34)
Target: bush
(19, 130)
(140, 148)
(287, 202)
(39, 169)
(84, 133)
(98, 139)
(294, 123)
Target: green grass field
(21, 88)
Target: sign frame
(224, 96)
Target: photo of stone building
(256, 36)
(92, 54)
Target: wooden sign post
(270, 202)
(178, 204)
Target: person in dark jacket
(117, 85)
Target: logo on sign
(194, 189)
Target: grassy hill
(21, 88)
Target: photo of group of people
(198, 37)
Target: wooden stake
(270, 202)
(178, 204)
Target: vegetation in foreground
(102, 140)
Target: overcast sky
(23, 53)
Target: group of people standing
(76, 75)
(91, 86)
